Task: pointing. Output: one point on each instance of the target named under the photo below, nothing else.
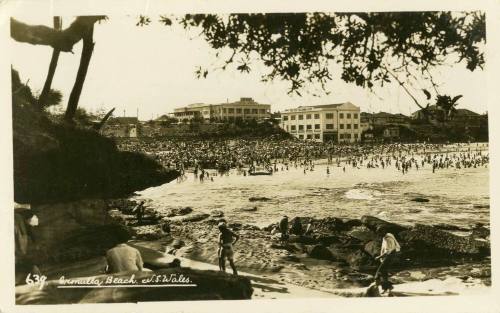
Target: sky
(150, 70)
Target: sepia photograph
(164, 157)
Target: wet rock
(435, 239)
(380, 226)
(148, 232)
(363, 234)
(319, 252)
(217, 213)
(420, 199)
(359, 259)
(177, 243)
(196, 217)
(291, 258)
(373, 248)
(296, 227)
(480, 231)
(327, 239)
(235, 226)
(445, 226)
(359, 278)
(330, 224)
(249, 227)
(308, 240)
(253, 199)
(179, 211)
(276, 268)
(350, 223)
(249, 209)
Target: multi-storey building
(331, 122)
(244, 109)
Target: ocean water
(458, 197)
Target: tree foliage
(369, 49)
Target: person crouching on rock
(123, 257)
(226, 243)
(388, 253)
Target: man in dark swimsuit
(226, 243)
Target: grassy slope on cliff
(56, 162)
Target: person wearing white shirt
(390, 247)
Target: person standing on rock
(284, 229)
(139, 212)
(226, 241)
(390, 247)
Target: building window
(317, 126)
(301, 127)
(308, 116)
(348, 115)
(301, 117)
(329, 126)
(341, 126)
(223, 110)
(308, 127)
(246, 111)
(341, 115)
(309, 136)
(255, 111)
(316, 136)
(292, 117)
(355, 126)
(231, 110)
(262, 111)
(356, 136)
(355, 115)
(301, 136)
(341, 136)
(293, 127)
(316, 116)
(348, 126)
(329, 116)
(238, 111)
(285, 117)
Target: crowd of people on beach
(276, 154)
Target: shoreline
(193, 237)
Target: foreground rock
(436, 241)
(73, 231)
(208, 285)
(381, 227)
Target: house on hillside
(123, 127)
(459, 116)
(383, 118)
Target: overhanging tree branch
(60, 40)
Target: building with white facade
(244, 109)
(331, 122)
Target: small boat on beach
(259, 171)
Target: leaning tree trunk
(74, 97)
(52, 68)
